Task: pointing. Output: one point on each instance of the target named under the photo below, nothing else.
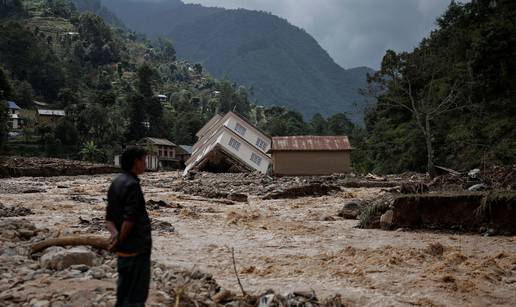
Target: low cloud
(354, 32)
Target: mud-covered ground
(283, 244)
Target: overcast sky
(354, 32)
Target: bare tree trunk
(95, 241)
(429, 148)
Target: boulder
(350, 210)
(238, 197)
(386, 220)
(58, 258)
(478, 187)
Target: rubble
(350, 210)
(373, 211)
(17, 166)
(58, 258)
(459, 211)
(14, 211)
(303, 191)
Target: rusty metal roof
(310, 143)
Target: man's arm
(113, 239)
(125, 230)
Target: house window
(166, 153)
(234, 143)
(240, 129)
(160, 153)
(261, 144)
(256, 159)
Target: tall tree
(319, 125)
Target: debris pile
(493, 178)
(303, 191)
(14, 211)
(372, 212)
(17, 166)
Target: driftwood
(210, 200)
(94, 241)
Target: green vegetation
(108, 79)
(450, 101)
(282, 64)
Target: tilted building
(230, 143)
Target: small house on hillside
(165, 150)
(15, 122)
(46, 116)
(230, 143)
(310, 155)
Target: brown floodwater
(297, 244)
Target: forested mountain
(108, 79)
(280, 62)
(452, 100)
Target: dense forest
(450, 101)
(107, 79)
(281, 63)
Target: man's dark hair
(130, 155)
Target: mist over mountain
(282, 63)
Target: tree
(339, 124)
(90, 152)
(318, 125)
(420, 84)
(98, 44)
(137, 119)
(66, 132)
(6, 92)
(11, 8)
(198, 68)
(24, 94)
(165, 51)
(145, 78)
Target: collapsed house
(310, 155)
(230, 143)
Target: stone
(80, 267)
(350, 210)
(474, 173)
(328, 218)
(477, 187)
(386, 220)
(60, 258)
(238, 197)
(97, 273)
(39, 303)
(26, 234)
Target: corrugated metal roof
(157, 141)
(51, 112)
(13, 105)
(310, 143)
(187, 148)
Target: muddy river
(295, 244)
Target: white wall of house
(249, 144)
(260, 161)
(250, 133)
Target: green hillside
(280, 62)
(107, 79)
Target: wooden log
(94, 241)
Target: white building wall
(245, 152)
(251, 134)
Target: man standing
(129, 224)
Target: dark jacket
(126, 202)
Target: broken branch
(94, 241)
(236, 273)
